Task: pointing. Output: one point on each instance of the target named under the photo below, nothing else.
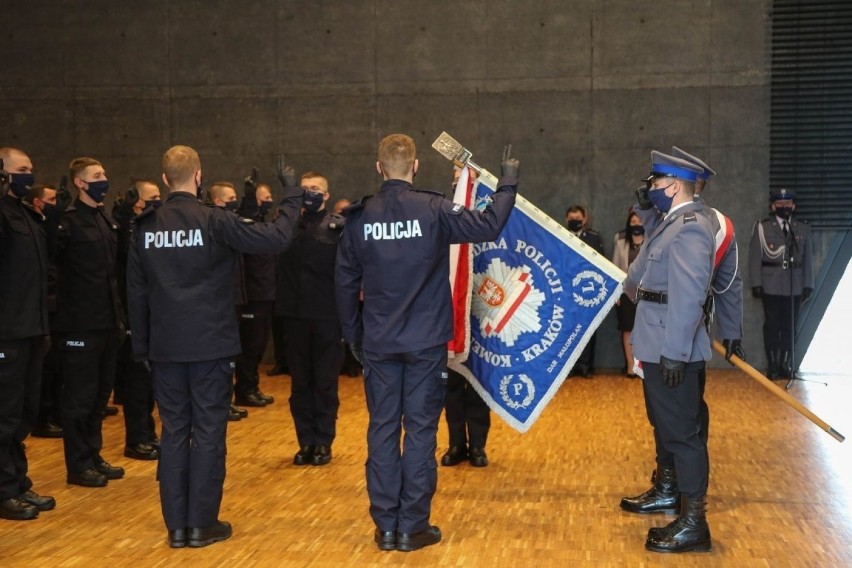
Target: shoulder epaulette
(689, 217)
(356, 205)
(592, 232)
(433, 192)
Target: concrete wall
(584, 89)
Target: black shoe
(689, 533)
(478, 457)
(277, 370)
(155, 441)
(385, 539)
(251, 399)
(266, 397)
(233, 414)
(109, 471)
(88, 478)
(40, 502)
(322, 455)
(110, 411)
(16, 509)
(304, 456)
(48, 430)
(406, 542)
(662, 497)
(454, 456)
(141, 452)
(177, 539)
(241, 411)
(209, 535)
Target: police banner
(538, 294)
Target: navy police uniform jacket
(396, 246)
(306, 271)
(87, 287)
(677, 259)
(23, 271)
(768, 259)
(180, 275)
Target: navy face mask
(637, 230)
(660, 200)
(784, 212)
(232, 206)
(51, 213)
(97, 190)
(153, 203)
(574, 225)
(265, 207)
(20, 183)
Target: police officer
(23, 326)
(88, 322)
(256, 313)
(223, 194)
(468, 416)
(781, 272)
(314, 348)
(577, 221)
(141, 442)
(727, 287)
(180, 289)
(395, 245)
(43, 199)
(671, 281)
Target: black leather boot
(786, 365)
(662, 497)
(774, 358)
(689, 533)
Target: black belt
(784, 264)
(649, 296)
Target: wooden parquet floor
(780, 490)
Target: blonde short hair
(180, 164)
(396, 154)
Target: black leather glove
(286, 174)
(63, 196)
(357, 352)
(250, 184)
(509, 166)
(733, 347)
(336, 222)
(757, 291)
(806, 293)
(642, 197)
(312, 200)
(672, 371)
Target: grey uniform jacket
(766, 264)
(727, 277)
(676, 259)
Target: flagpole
(779, 392)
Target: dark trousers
(468, 416)
(51, 387)
(138, 397)
(87, 361)
(279, 341)
(193, 400)
(675, 414)
(314, 356)
(587, 356)
(20, 387)
(664, 456)
(778, 321)
(255, 326)
(404, 390)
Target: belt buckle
(784, 265)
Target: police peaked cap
(708, 171)
(783, 193)
(663, 165)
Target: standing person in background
(577, 220)
(780, 283)
(305, 299)
(625, 248)
(89, 322)
(396, 248)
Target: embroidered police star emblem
(505, 301)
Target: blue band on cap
(705, 175)
(675, 171)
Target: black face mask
(51, 213)
(232, 206)
(637, 230)
(20, 184)
(265, 207)
(574, 225)
(153, 203)
(784, 212)
(199, 190)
